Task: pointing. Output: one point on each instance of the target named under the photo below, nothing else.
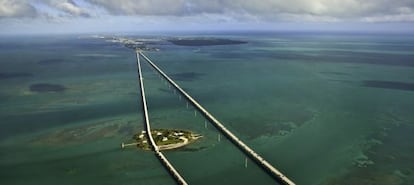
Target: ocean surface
(324, 108)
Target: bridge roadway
(246, 149)
(179, 179)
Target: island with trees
(165, 139)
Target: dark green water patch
(234, 55)
(127, 129)
(192, 149)
(388, 85)
(204, 42)
(4, 76)
(62, 159)
(19, 124)
(170, 91)
(45, 87)
(392, 158)
(285, 121)
(342, 81)
(164, 90)
(190, 76)
(85, 133)
(368, 58)
(334, 73)
(50, 61)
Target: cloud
(62, 8)
(390, 18)
(71, 8)
(42, 9)
(16, 8)
(239, 10)
(142, 7)
(268, 10)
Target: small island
(165, 139)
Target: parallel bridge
(269, 168)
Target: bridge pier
(123, 145)
(242, 146)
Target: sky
(90, 16)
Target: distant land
(205, 42)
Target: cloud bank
(69, 7)
(16, 9)
(53, 16)
(261, 10)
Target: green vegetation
(166, 138)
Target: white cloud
(308, 10)
(66, 8)
(16, 8)
(142, 7)
(71, 8)
(390, 18)
(227, 10)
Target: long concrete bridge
(179, 179)
(234, 139)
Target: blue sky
(88, 16)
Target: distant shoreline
(205, 42)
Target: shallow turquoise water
(297, 99)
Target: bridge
(269, 168)
(179, 179)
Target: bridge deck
(179, 179)
(241, 145)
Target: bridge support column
(241, 145)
